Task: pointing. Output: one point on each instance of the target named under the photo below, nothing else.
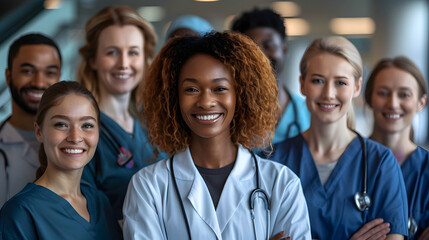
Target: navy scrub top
(416, 176)
(38, 213)
(332, 209)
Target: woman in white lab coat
(207, 101)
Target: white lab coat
(22, 161)
(152, 210)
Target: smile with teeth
(392, 116)
(72, 150)
(35, 94)
(328, 106)
(207, 117)
(122, 76)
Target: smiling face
(35, 68)
(329, 87)
(119, 61)
(206, 97)
(69, 133)
(395, 100)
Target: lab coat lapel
(199, 195)
(239, 182)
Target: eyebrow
(84, 118)
(26, 64)
(318, 75)
(193, 80)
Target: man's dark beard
(17, 97)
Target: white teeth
(122, 76)
(328, 106)
(36, 95)
(73, 151)
(208, 117)
(393, 116)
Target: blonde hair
(338, 46)
(113, 15)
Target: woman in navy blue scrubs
(329, 156)
(396, 91)
(57, 205)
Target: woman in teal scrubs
(330, 159)
(119, 47)
(396, 91)
(57, 205)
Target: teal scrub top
(332, 210)
(295, 119)
(38, 213)
(105, 173)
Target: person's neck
(116, 107)
(399, 142)
(283, 98)
(327, 142)
(21, 119)
(66, 185)
(213, 153)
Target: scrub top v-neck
(331, 207)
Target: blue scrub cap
(195, 23)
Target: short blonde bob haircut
(113, 15)
(256, 108)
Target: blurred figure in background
(266, 28)
(34, 64)
(396, 91)
(118, 50)
(188, 25)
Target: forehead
(329, 64)
(202, 66)
(37, 54)
(395, 77)
(115, 35)
(73, 106)
(263, 33)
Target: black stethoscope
(255, 194)
(125, 157)
(6, 161)
(363, 200)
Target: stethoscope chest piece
(412, 226)
(362, 201)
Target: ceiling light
(206, 0)
(152, 13)
(350, 26)
(296, 27)
(286, 9)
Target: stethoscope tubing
(253, 196)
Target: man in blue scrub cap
(188, 25)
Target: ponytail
(43, 160)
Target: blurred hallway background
(381, 28)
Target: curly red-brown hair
(257, 106)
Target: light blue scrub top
(416, 176)
(291, 119)
(332, 209)
(38, 213)
(104, 172)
